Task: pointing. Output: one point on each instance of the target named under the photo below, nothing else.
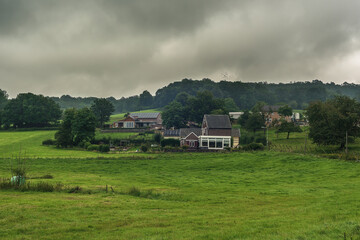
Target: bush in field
(49, 142)
(157, 137)
(185, 147)
(104, 148)
(144, 148)
(260, 139)
(253, 147)
(93, 147)
(170, 142)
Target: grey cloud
(121, 48)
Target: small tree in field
(288, 127)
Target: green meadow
(238, 195)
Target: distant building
(140, 120)
(235, 115)
(271, 114)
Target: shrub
(144, 148)
(170, 142)
(75, 189)
(254, 147)
(42, 187)
(93, 147)
(49, 142)
(134, 191)
(227, 149)
(84, 144)
(185, 147)
(104, 148)
(157, 137)
(261, 139)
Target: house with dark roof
(215, 133)
(140, 120)
(190, 137)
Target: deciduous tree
(288, 127)
(331, 120)
(102, 109)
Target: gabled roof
(268, 108)
(172, 133)
(145, 115)
(217, 121)
(184, 132)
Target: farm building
(140, 120)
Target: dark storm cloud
(120, 48)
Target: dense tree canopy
(174, 115)
(146, 99)
(102, 109)
(245, 95)
(30, 110)
(285, 111)
(3, 100)
(64, 137)
(204, 103)
(83, 126)
(177, 114)
(331, 120)
(78, 126)
(255, 121)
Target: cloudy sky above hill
(120, 47)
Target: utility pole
(346, 143)
(267, 138)
(305, 142)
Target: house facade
(216, 133)
(190, 137)
(140, 120)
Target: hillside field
(263, 195)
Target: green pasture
(29, 144)
(194, 196)
(260, 195)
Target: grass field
(263, 195)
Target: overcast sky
(122, 47)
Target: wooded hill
(245, 95)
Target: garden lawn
(262, 195)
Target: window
(204, 142)
(219, 143)
(128, 124)
(212, 142)
(226, 142)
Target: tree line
(245, 95)
(29, 110)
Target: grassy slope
(29, 143)
(203, 196)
